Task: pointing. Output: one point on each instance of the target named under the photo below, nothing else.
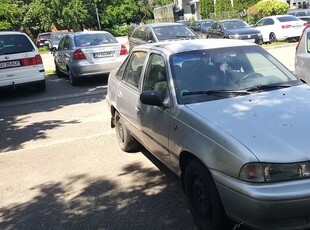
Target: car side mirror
(151, 98)
(150, 41)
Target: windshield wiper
(216, 92)
(266, 87)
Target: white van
(20, 61)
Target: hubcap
(201, 199)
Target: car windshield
(235, 24)
(173, 32)
(83, 40)
(213, 74)
(11, 44)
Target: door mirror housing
(151, 98)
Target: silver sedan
(87, 54)
(229, 119)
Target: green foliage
(223, 5)
(239, 5)
(43, 49)
(41, 15)
(11, 14)
(206, 7)
(119, 30)
(266, 8)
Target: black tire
(272, 37)
(202, 196)
(41, 86)
(73, 80)
(58, 72)
(125, 140)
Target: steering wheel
(251, 75)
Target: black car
(158, 32)
(43, 39)
(234, 29)
(202, 26)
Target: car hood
(273, 125)
(243, 31)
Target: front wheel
(125, 140)
(202, 196)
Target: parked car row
(273, 28)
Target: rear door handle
(119, 94)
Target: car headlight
(259, 34)
(234, 36)
(271, 172)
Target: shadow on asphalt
(103, 204)
(25, 100)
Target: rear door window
(12, 44)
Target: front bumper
(283, 205)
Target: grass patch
(275, 44)
(44, 50)
(49, 72)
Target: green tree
(11, 13)
(206, 7)
(223, 6)
(266, 8)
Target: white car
(302, 57)
(280, 28)
(20, 61)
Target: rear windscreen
(12, 44)
(93, 39)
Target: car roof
(230, 20)
(10, 32)
(90, 32)
(45, 33)
(197, 44)
(282, 15)
(164, 24)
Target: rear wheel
(125, 140)
(58, 72)
(203, 198)
(272, 37)
(73, 80)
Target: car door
(213, 32)
(155, 120)
(266, 27)
(138, 37)
(128, 92)
(62, 52)
(302, 58)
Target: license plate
(9, 64)
(250, 40)
(104, 54)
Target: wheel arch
(184, 160)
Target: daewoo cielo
(227, 118)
